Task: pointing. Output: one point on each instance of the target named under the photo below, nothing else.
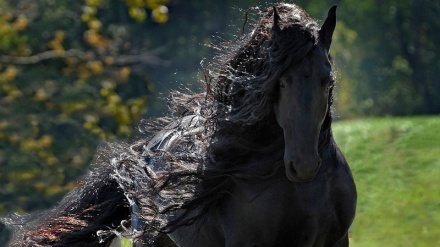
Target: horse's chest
(280, 213)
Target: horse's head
(303, 103)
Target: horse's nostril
(292, 169)
(303, 170)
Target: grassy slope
(396, 165)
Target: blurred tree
(417, 38)
(72, 74)
(388, 57)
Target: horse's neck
(332, 157)
(326, 136)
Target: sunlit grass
(125, 242)
(396, 165)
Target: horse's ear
(326, 31)
(276, 20)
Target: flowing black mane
(236, 113)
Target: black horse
(249, 162)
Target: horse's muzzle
(304, 170)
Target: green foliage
(72, 74)
(392, 67)
(396, 165)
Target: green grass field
(396, 165)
